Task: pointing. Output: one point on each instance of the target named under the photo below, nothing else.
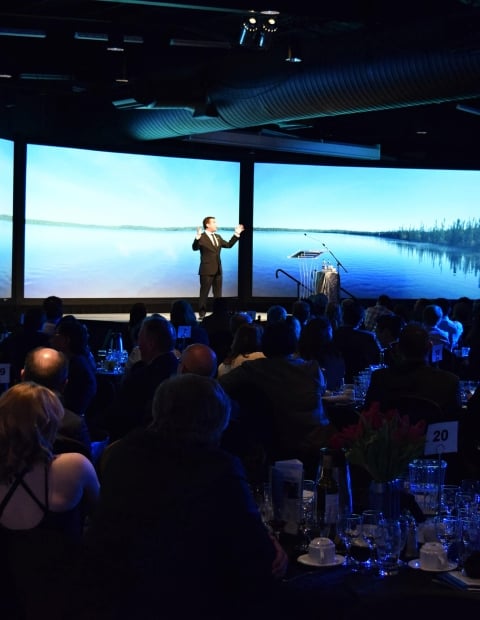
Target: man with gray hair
(177, 527)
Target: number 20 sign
(441, 438)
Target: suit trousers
(207, 283)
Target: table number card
(441, 438)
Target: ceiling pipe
(390, 82)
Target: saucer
(307, 560)
(416, 564)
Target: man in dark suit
(210, 245)
(414, 376)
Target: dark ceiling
(405, 76)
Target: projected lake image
(409, 233)
(370, 266)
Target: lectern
(328, 283)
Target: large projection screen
(6, 217)
(115, 225)
(409, 233)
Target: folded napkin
(459, 580)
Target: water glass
(449, 532)
(307, 518)
(470, 534)
(349, 529)
(389, 546)
(371, 520)
(447, 498)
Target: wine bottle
(327, 499)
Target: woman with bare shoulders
(44, 499)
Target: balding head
(47, 367)
(198, 359)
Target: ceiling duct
(388, 82)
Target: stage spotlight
(248, 32)
(268, 29)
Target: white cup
(322, 550)
(433, 556)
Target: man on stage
(210, 245)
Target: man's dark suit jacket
(210, 263)
(441, 386)
(359, 348)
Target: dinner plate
(308, 561)
(416, 564)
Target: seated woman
(246, 345)
(43, 502)
(182, 315)
(177, 533)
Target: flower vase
(385, 497)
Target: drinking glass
(371, 520)
(447, 498)
(448, 531)
(470, 541)
(307, 520)
(349, 529)
(389, 545)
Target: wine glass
(371, 520)
(307, 516)
(448, 531)
(349, 529)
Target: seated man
(132, 405)
(199, 359)
(177, 534)
(49, 367)
(280, 398)
(413, 376)
(359, 347)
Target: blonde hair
(29, 418)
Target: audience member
(418, 308)
(415, 377)
(53, 310)
(132, 405)
(333, 312)
(137, 313)
(432, 315)
(217, 326)
(318, 304)
(246, 346)
(382, 306)
(280, 397)
(49, 367)
(359, 347)
(453, 328)
(276, 313)
(177, 529)
(463, 312)
(387, 330)
(26, 336)
(183, 315)
(301, 310)
(43, 501)
(199, 359)
(316, 343)
(71, 338)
